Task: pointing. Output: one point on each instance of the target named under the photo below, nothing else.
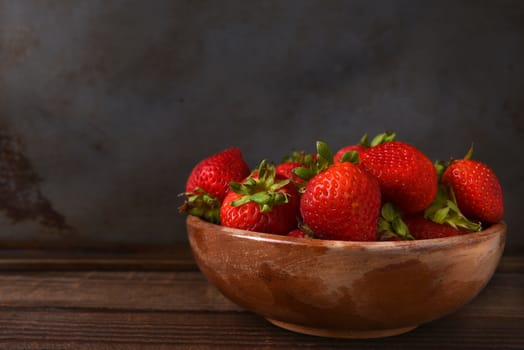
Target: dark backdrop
(105, 106)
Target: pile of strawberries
(379, 190)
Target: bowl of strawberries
(370, 241)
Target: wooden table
(155, 298)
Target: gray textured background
(105, 106)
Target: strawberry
(286, 170)
(477, 189)
(422, 228)
(296, 233)
(300, 157)
(208, 183)
(351, 148)
(300, 233)
(363, 145)
(214, 173)
(263, 202)
(406, 176)
(295, 160)
(342, 202)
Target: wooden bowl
(345, 289)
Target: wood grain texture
(79, 256)
(180, 310)
(92, 329)
(122, 257)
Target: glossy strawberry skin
(285, 170)
(214, 173)
(297, 233)
(477, 190)
(280, 220)
(342, 203)
(421, 228)
(406, 176)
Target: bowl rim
(498, 229)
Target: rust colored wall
(106, 105)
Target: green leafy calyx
(383, 138)
(440, 167)
(261, 187)
(444, 210)
(391, 225)
(202, 204)
(324, 160)
(299, 157)
(364, 141)
(351, 156)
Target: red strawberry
(421, 228)
(406, 176)
(299, 233)
(208, 183)
(263, 203)
(302, 231)
(364, 145)
(295, 160)
(286, 170)
(351, 148)
(477, 189)
(214, 173)
(342, 203)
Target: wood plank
(185, 291)
(68, 256)
(118, 309)
(140, 290)
(95, 329)
(511, 263)
(179, 309)
(188, 291)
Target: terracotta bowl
(345, 289)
